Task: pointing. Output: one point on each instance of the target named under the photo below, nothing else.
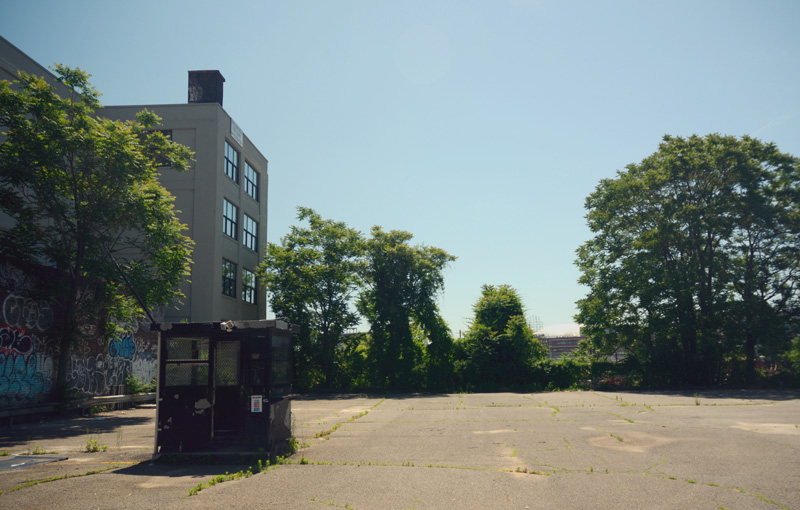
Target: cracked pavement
(714, 449)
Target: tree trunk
(750, 358)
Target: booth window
(186, 362)
(280, 372)
(226, 363)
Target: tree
(402, 283)
(310, 280)
(80, 189)
(695, 251)
(499, 347)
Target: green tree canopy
(695, 257)
(499, 348)
(311, 279)
(402, 285)
(79, 188)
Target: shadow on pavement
(352, 396)
(716, 393)
(63, 428)
(155, 468)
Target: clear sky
(478, 126)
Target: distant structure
(535, 322)
(560, 339)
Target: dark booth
(224, 386)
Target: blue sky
(478, 126)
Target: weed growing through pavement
(332, 503)
(325, 433)
(39, 451)
(93, 444)
(31, 483)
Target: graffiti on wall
(133, 353)
(26, 366)
(29, 348)
(25, 374)
(19, 311)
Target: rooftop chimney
(205, 87)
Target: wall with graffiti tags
(29, 346)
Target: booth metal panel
(224, 386)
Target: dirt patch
(632, 441)
(769, 428)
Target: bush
(136, 386)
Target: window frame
(227, 281)
(231, 164)
(249, 239)
(251, 187)
(230, 225)
(249, 292)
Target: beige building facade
(222, 199)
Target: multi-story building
(222, 198)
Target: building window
(250, 237)
(230, 219)
(250, 181)
(228, 278)
(231, 163)
(248, 286)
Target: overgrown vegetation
(137, 386)
(694, 267)
(79, 189)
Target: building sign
(256, 403)
(237, 133)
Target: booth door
(184, 407)
(229, 404)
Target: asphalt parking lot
(719, 450)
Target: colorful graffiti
(23, 378)
(123, 347)
(29, 352)
(26, 373)
(106, 372)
